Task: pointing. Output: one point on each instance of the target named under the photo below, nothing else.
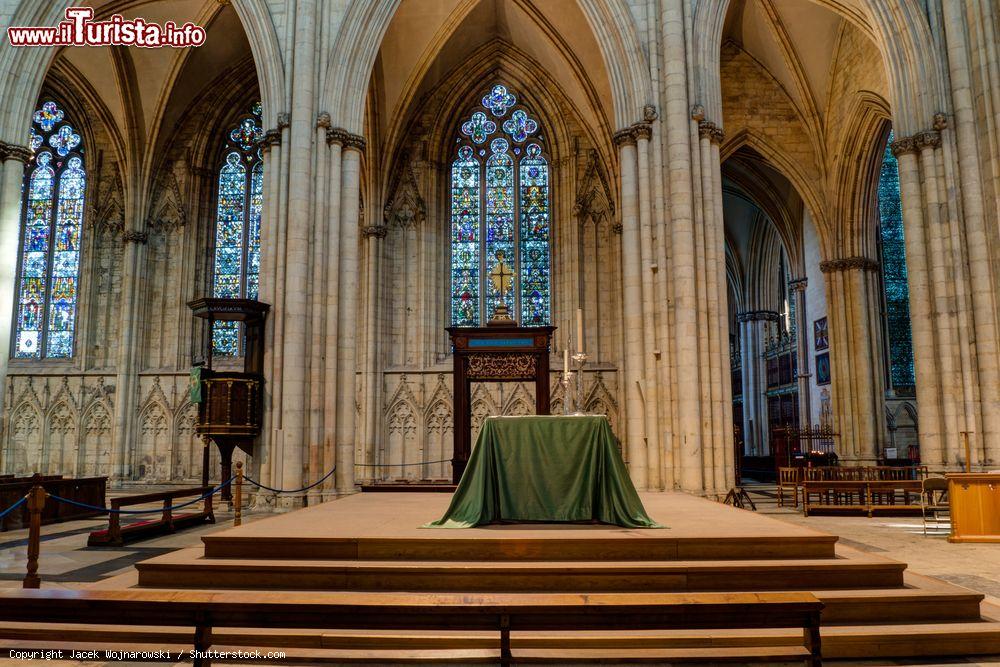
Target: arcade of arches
(775, 216)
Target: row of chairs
(862, 485)
(790, 479)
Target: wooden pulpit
(507, 353)
(230, 403)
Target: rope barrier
(399, 465)
(13, 507)
(110, 510)
(304, 488)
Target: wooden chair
(934, 500)
(789, 479)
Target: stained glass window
(500, 216)
(897, 303)
(51, 229)
(237, 225)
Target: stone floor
(66, 562)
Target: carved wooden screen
(495, 354)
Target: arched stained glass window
(500, 217)
(51, 227)
(237, 226)
(893, 251)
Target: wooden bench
(502, 613)
(894, 496)
(168, 522)
(864, 497)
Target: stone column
(969, 184)
(632, 329)
(651, 401)
(335, 141)
(12, 163)
(753, 324)
(126, 379)
(925, 359)
(798, 289)
(350, 193)
(716, 311)
(857, 376)
(678, 161)
(271, 155)
(297, 259)
(373, 235)
(943, 304)
(317, 299)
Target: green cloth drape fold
(545, 468)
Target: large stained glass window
(500, 220)
(237, 225)
(897, 303)
(51, 226)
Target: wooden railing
(168, 522)
(502, 613)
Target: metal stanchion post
(238, 495)
(36, 501)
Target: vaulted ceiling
(428, 40)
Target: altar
(545, 469)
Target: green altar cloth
(545, 468)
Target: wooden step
(232, 544)
(179, 569)
(922, 640)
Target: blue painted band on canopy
(501, 342)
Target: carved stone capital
(649, 113)
(283, 120)
(338, 135)
(712, 131)
(272, 137)
(698, 112)
(135, 236)
(849, 264)
(323, 120)
(902, 146)
(940, 121)
(642, 131)
(15, 152)
(617, 228)
(623, 137)
(376, 231)
(758, 316)
(927, 139)
(798, 285)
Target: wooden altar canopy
(495, 354)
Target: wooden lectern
(230, 402)
(505, 353)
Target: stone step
(183, 569)
(233, 544)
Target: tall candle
(566, 362)
(579, 330)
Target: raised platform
(373, 542)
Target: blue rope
(304, 488)
(110, 510)
(13, 507)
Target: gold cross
(501, 276)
